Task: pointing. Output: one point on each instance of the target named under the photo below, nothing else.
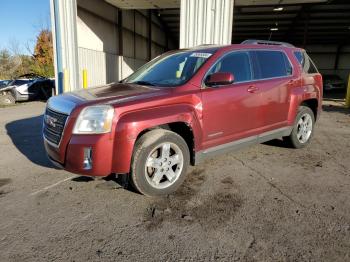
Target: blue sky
(21, 20)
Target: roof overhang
(168, 4)
(145, 4)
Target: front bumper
(74, 157)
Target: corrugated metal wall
(102, 67)
(98, 41)
(205, 22)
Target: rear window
(305, 62)
(272, 64)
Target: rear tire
(159, 163)
(7, 99)
(303, 128)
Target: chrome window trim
(204, 86)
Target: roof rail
(265, 42)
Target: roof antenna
(273, 29)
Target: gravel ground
(264, 203)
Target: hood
(115, 93)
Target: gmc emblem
(50, 121)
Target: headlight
(94, 120)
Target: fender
(130, 125)
(299, 95)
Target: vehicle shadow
(339, 108)
(334, 101)
(120, 181)
(111, 182)
(26, 135)
(277, 143)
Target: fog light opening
(87, 163)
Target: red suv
(182, 107)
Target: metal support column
(120, 32)
(64, 31)
(149, 34)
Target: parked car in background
(333, 82)
(182, 107)
(27, 87)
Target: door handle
(252, 89)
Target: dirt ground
(264, 203)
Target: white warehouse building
(106, 40)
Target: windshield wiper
(144, 83)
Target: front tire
(303, 128)
(159, 163)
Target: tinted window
(272, 64)
(306, 63)
(21, 82)
(300, 57)
(236, 63)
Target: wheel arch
(300, 98)
(312, 104)
(182, 120)
(183, 129)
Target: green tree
(43, 55)
(14, 64)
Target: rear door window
(236, 63)
(271, 64)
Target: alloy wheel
(164, 165)
(304, 128)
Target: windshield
(4, 83)
(170, 70)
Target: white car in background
(27, 87)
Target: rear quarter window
(271, 64)
(306, 63)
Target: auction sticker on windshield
(202, 55)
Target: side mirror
(219, 78)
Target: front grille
(54, 123)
